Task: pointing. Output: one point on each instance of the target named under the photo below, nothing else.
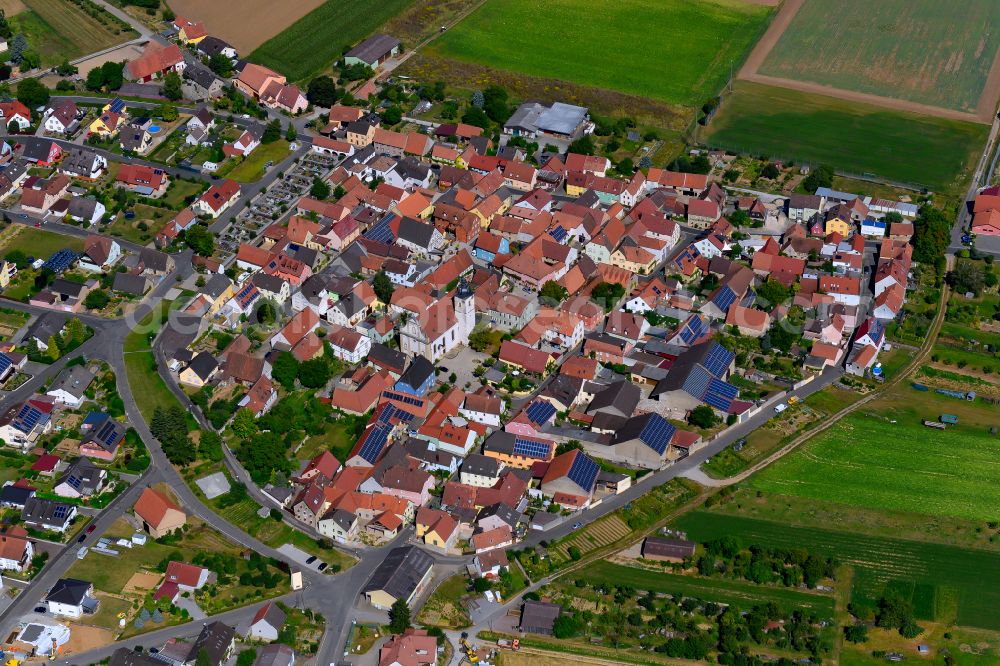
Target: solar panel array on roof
(696, 383)
(117, 105)
(724, 298)
(108, 433)
(657, 433)
(558, 233)
(690, 253)
(61, 511)
(531, 448)
(28, 417)
(375, 442)
(583, 471)
(692, 330)
(540, 411)
(381, 232)
(60, 261)
(403, 398)
(718, 360)
(5, 363)
(720, 394)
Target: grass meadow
(933, 152)
(914, 50)
(314, 42)
(677, 51)
(39, 243)
(945, 583)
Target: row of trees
(762, 565)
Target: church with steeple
(442, 327)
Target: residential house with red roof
(145, 180)
(155, 61)
(217, 199)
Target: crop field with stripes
(945, 583)
(602, 533)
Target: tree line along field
(318, 39)
(62, 30)
(932, 152)
(943, 582)
(867, 460)
(677, 51)
(916, 50)
(741, 593)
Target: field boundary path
(750, 71)
(914, 363)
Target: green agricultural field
(937, 577)
(916, 50)
(869, 461)
(718, 590)
(318, 39)
(857, 138)
(685, 60)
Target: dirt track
(750, 72)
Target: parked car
(311, 560)
(577, 526)
(90, 530)
(966, 239)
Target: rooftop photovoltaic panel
(61, 512)
(583, 472)
(540, 411)
(381, 232)
(696, 382)
(724, 298)
(718, 360)
(531, 448)
(723, 388)
(657, 433)
(718, 401)
(558, 233)
(404, 398)
(375, 442)
(117, 105)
